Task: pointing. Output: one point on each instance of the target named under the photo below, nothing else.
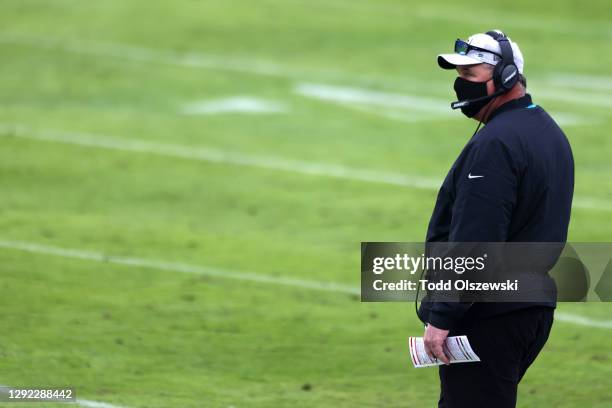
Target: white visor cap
(486, 42)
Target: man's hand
(434, 339)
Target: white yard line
(395, 114)
(582, 320)
(406, 107)
(220, 156)
(177, 267)
(234, 104)
(350, 95)
(587, 82)
(569, 119)
(601, 100)
(395, 106)
(243, 159)
(587, 203)
(95, 404)
(228, 274)
(188, 59)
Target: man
(513, 182)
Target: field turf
(99, 159)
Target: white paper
(457, 348)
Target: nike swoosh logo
(473, 177)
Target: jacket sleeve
(486, 194)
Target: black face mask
(471, 90)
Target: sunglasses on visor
(462, 47)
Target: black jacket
(513, 182)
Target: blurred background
(185, 186)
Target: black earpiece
(506, 73)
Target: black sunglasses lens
(461, 47)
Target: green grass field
(99, 160)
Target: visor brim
(450, 61)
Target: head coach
(512, 182)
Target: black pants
(507, 345)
